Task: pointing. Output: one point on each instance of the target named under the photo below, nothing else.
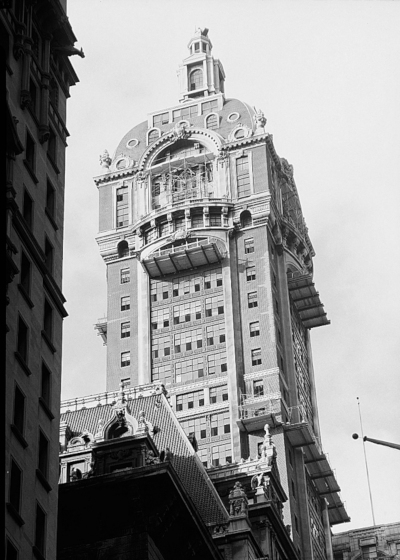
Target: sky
(327, 76)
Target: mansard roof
(167, 433)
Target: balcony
(255, 412)
(101, 328)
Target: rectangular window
(197, 219)
(125, 303)
(48, 319)
(159, 290)
(217, 363)
(256, 357)
(25, 276)
(188, 340)
(160, 318)
(50, 200)
(250, 273)
(255, 329)
(252, 300)
(196, 426)
(185, 113)
(187, 312)
(215, 217)
(15, 486)
(189, 370)
(203, 455)
(125, 359)
(162, 373)
(161, 346)
(209, 106)
(243, 176)
(213, 279)
(40, 530)
(43, 458)
(122, 207)
(258, 388)
(30, 151)
(221, 454)
(126, 329)
(186, 285)
(125, 276)
(218, 394)
(22, 340)
(163, 118)
(45, 392)
(220, 424)
(52, 146)
(214, 306)
(191, 400)
(48, 254)
(19, 410)
(27, 209)
(126, 382)
(249, 245)
(215, 334)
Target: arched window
(212, 121)
(245, 219)
(123, 249)
(239, 134)
(153, 135)
(196, 79)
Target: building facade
(210, 288)
(368, 543)
(37, 40)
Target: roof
(168, 433)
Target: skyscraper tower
(210, 290)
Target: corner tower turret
(200, 74)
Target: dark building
(37, 41)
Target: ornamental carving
(105, 160)
(238, 503)
(180, 131)
(260, 121)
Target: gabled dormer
(200, 74)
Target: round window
(121, 164)
(233, 117)
(240, 133)
(132, 143)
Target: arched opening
(245, 219)
(153, 136)
(123, 249)
(196, 79)
(212, 122)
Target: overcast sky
(326, 74)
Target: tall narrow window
(125, 277)
(43, 459)
(25, 277)
(45, 392)
(252, 300)
(125, 303)
(258, 388)
(153, 136)
(27, 209)
(125, 359)
(250, 273)
(40, 530)
(125, 329)
(255, 329)
(122, 207)
(196, 79)
(123, 249)
(22, 340)
(212, 122)
(50, 200)
(52, 146)
(33, 92)
(19, 410)
(30, 151)
(15, 486)
(48, 319)
(249, 245)
(243, 176)
(256, 357)
(49, 254)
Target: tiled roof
(168, 434)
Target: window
(212, 122)
(184, 113)
(123, 249)
(186, 341)
(187, 312)
(43, 458)
(125, 303)
(22, 340)
(25, 276)
(159, 290)
(218, 394)
(163, 229)
(125, 276)
(48, 255)
(52, 146)
(34, 97)
(30, 151)
(48, 319)
(163, 118)
(221, 454)
(160, 318)
(45, 392)
(186, 285)
(251, 273)
(190, 369)
(50, 200)
(12, 552)
(19, 410)
(369, 552)
(256, 357)
(217, 363)
(252, 300)
(255, 329)
(213, 279)
(258, 388)
(191, 400)
(15, 486)
(40, 529)
(215, 334)
(196, 426)
(214, 306)
(245, 219)
(220, 424)
(161, 346)
(243, 176)
(27, 209)
(53, 93)
(239, 134)
(249, 245)
(203, 455)
(126, 329)
(215, 217)
(162, 373)
(125, 359)
(209, 106)
(122, 207)
(126, 382)
(196, 79)
(197, 219)
(153, 136)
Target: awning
(306, 299)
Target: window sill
(14, 514)
(19, 436)
(37, 553)
(31, 172)
(53, 164)
(22, 363)
(43, 480)
(47, 340)
(25, 295)
(51, 219)
(46, 408)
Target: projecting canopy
(306, 299)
